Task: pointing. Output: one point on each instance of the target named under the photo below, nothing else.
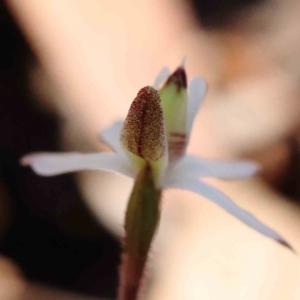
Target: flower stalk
(141, 221)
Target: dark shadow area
(221, 13)
(46, 227)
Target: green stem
(141, 221)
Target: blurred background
(70, 68)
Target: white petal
(161, 77)
(49, 164)
(111, 136)
(223, 201)
(193, 167)
(196, 94)
(183, 61)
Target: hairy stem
(142, 218)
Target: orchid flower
(157, 131)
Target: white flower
(158, 132)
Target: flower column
(144, 140)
